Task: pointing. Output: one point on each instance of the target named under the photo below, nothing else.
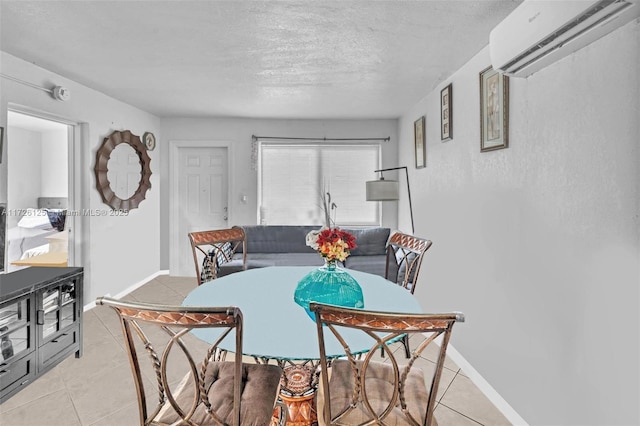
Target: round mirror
(122, 170)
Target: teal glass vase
(331, 285)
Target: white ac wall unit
(538, 33)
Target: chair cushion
(379, 385)
(260, 384)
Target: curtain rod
(255, 138)
(26, 83)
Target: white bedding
(36, 251)
(29, 237)
(20, 240)
(35, 219)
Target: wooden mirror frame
(102, 160)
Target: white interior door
(199, 201)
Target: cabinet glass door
(58, 308)
(50, 305)
(14, 329)
(68, 309)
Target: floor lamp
(388, 190)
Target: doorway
(199, 197)
(40, 191)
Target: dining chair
(187, 381)
(357, 389)
(404, 259)
(213, 248)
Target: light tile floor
(98, 390)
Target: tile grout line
(449, 386)
(445, 392)
(73, 404)
(458, 412)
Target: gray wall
(538, 244)
(238, 132)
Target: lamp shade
(382, 190)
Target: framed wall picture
(494, 110)
(446, 113)
(421, 150)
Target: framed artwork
(446, 113)
(1, 142)
(494, 110)
(421, 152)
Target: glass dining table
(276, 329)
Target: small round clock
(149, 140)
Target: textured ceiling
(272, 59)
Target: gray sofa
(285, 245)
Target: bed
(33, 234)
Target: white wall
(238, 132)
(118, 251)
(38, 167)
(54, 163)
(538, 244)
(25, 171)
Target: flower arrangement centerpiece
(329, 284)
(331, 242)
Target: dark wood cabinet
(40, 323)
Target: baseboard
(128, 289)
(485, 387)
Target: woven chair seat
(357, 389)
(379, 385)
(259, 383)
(214, 391)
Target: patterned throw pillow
(223, 253)
(402, 266)
(218, 255)
(206, 274)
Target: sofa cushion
(371, 264)
(288, 259)
(278, 238)
(369, 241)
(262, 260)
(285, 245)
(236, 265)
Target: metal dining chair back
(360, 389)
(187, 381)
(404, 259)
(211, 249)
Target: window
(291, 179)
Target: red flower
(335, 244)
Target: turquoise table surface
(275, 327)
